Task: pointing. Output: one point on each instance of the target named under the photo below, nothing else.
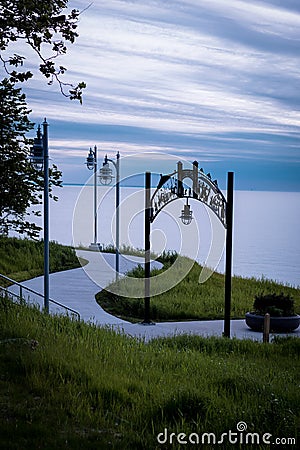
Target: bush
(277, 305)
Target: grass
(189, 300)
(69, 385)
(125, 250)
(21, 259)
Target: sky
(216, 81)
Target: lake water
(266, 228)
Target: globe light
(90, 160)
(106, 175)
(37, 151)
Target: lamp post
(40, 159)
(106, 178)
(91, 163)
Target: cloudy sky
(217, 81)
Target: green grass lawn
(21, 259)
(69, 385)
(189, 300)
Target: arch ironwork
(172, 186)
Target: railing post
(21, 293)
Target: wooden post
(266, 334)
(228, 263)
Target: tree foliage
(45, 28)
(21, 184)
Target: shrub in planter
(277, 305)
(281, 309)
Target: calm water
(266, 228)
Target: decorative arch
(171, 187)
(205, 190)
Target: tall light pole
(105, 178)
(91, 163)
(40, 159)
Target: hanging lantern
(186, 214)
(90, 160)
(37, 151)
(106, 175)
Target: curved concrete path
(76, 289)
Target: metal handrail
(22, 286)
(10, 294)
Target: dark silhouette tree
(21, 185)
(45, 27)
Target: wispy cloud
(183, 75)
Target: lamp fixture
(90, 160)
(186, 214)
(106, 175)
(37, 151)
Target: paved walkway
(76, 289)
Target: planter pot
(277, 324)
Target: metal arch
(159, 209)
(205, 190)
(163, 179)
(214, 208)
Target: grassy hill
(69, 385)
(21, 259)
(190, 300)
